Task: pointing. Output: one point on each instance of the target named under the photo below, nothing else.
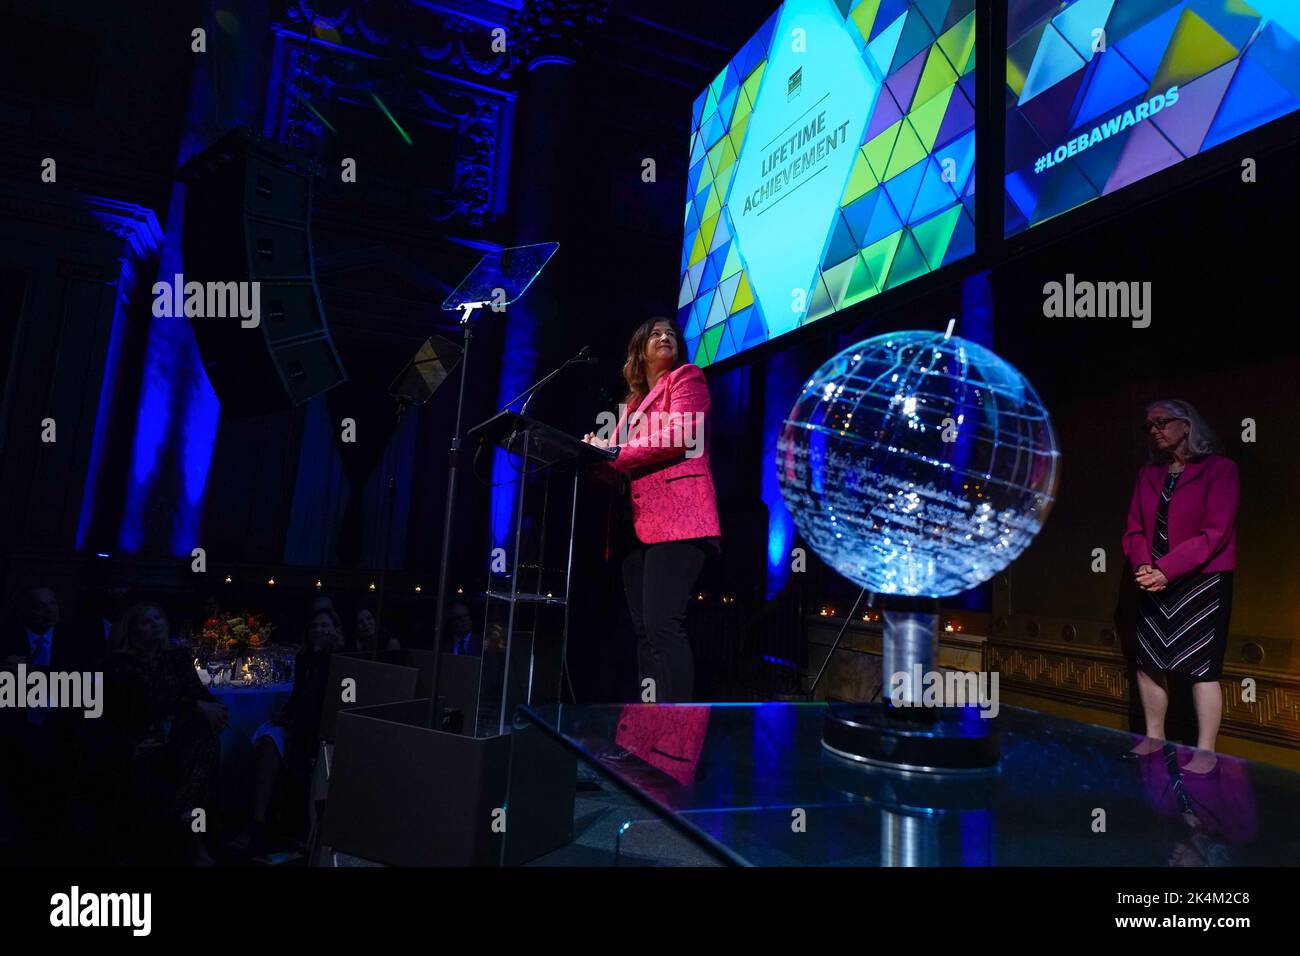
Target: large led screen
(831, 159)
(1102, 93)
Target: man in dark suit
(463, 638)
(37, 636)
(39, 746)
(96, 626)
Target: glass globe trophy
(917, 465)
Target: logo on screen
(794, 85)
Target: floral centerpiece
(236, 635)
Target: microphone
(584, 357)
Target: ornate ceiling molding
(135, 225)
(393, 29)
(556, 28)
(427, 63)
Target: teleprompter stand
(500, 278)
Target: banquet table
(249, 708)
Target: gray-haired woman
(1181, 542)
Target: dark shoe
(1208, 772)
(616, 754)
(251, 843)
(1133, 755)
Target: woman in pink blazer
(662, 436)
(1180, 540)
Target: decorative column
(549, 36)
(86, 262)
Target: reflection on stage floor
(751, 784)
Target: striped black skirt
(1184, 628)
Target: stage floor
(763, 791)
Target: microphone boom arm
(579, 359)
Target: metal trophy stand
(498, 280)
(931, 771)
(921, 739)
(913, 738)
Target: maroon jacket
(672, 494)
(1202, 518)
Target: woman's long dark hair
(634, 367)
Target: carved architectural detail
(414, 57)
(134, 225)
(468, 47)
(1096, 678)
(1102, 681)
(1275, 712)
(305, 83)
(556, 27)
(475, 164)
(439, 37)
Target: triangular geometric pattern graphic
(1103, 93)
(896, 152)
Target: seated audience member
(37, 636)
(464, 640)
(286, 744)
(103, 610)
(38, 763)
(38, 639)
(368, 636)
(324, 603)
(166, 729)
(104, 598)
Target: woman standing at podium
(663, 451)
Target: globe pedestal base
(930, 740)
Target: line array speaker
(248, 219)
